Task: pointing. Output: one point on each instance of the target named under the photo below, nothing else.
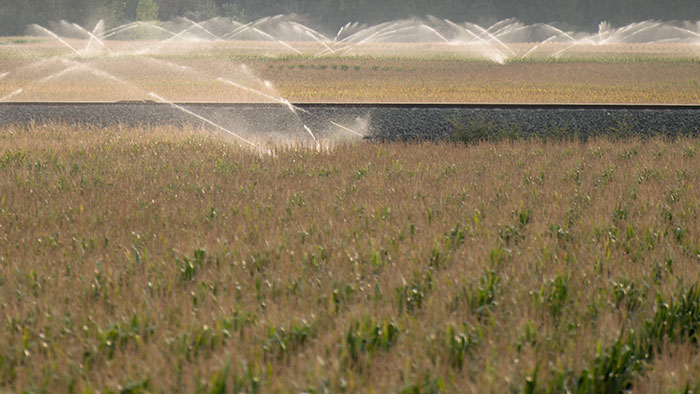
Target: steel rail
(368, 105)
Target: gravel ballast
(376, 121)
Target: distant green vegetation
(19, 41)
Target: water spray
(318, 146)
(203, 119)
(216, 38)
(346, 129)
(9, 96)
(59, 39)
(279, 100)
(161, 43)
(92, 37)
(60, 73)
(537, 46)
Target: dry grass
(454, 80)
(652, 73)
(173, 260)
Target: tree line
(15, 15)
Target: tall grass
(170, 260)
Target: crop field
(630, 73)
(454, 80)
(167, 260)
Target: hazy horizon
(330, 15)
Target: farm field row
(163, 259)
(468, 81)
(42, 72)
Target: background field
(629, 73)
(457, 80)
(163, 259)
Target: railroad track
(373, 120)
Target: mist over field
(15, 15)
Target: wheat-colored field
(163, 260)
(457, 80)
(632, 73)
